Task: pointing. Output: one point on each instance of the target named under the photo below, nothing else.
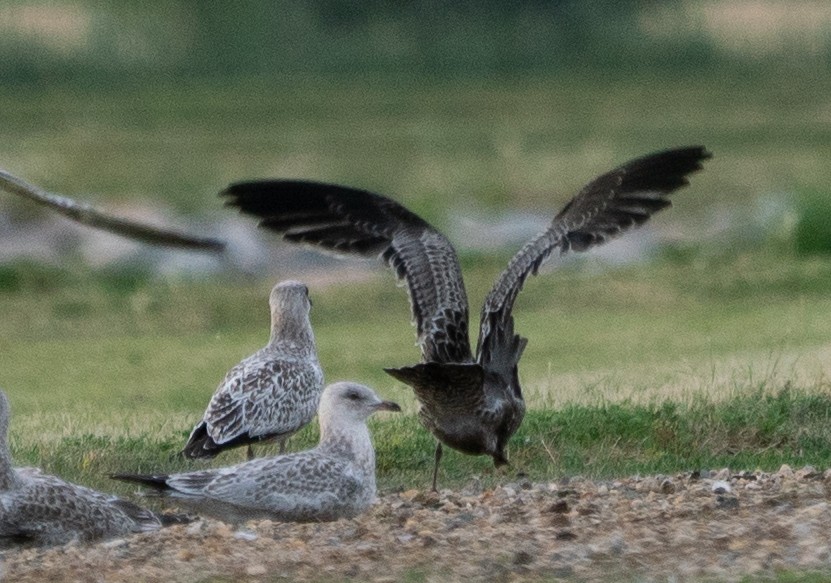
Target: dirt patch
(722, 525)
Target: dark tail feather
(158, 482)
(440, 375)
(200, 445)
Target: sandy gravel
(722, 525)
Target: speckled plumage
(334, 480)
(472, 404)
(45, 510)
(271, 394)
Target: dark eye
(353, 396)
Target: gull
(334, 480)
(271, 394)
(45, 510)
(471, 403)
(85, 214)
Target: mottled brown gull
(334, 480)
(271, 394)
(37, 508)
(473, 405)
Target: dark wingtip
(200, 445)
(159, 482)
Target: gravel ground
(718, 525)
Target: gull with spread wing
(472, 403)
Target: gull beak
(387, 406)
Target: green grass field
(663, 367)
(713, 353)
(489, 144)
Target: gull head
(290, 296)
(346, 400)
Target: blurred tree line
(112, 40)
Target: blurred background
(483, 116)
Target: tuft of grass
(812, 234)
(753, 430)
(665, 367)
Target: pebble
(245, 535)
(720, 487)
(650, 527)
(721, 475)
(255, 570)
(785, 471)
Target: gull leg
(439, 453)
(250, 453)
(283, 446)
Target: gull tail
(157, 482)
(440, 375)
(200, 445)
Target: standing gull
(44, 510)
(473, 405)
(334, 480)
(271, 394)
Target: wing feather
(304, 481)
(352, 221)
(608, 206)
(261, 396)
(87, 215)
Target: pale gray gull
(271, 394)
(37, 508)
(86, 214)
(472, 404)
(334, 480)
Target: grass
(715, 353)
(614, 387)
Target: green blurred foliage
(812, 234)
(114, 41)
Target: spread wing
(608, 206)
(87, 215)
(352, 221)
